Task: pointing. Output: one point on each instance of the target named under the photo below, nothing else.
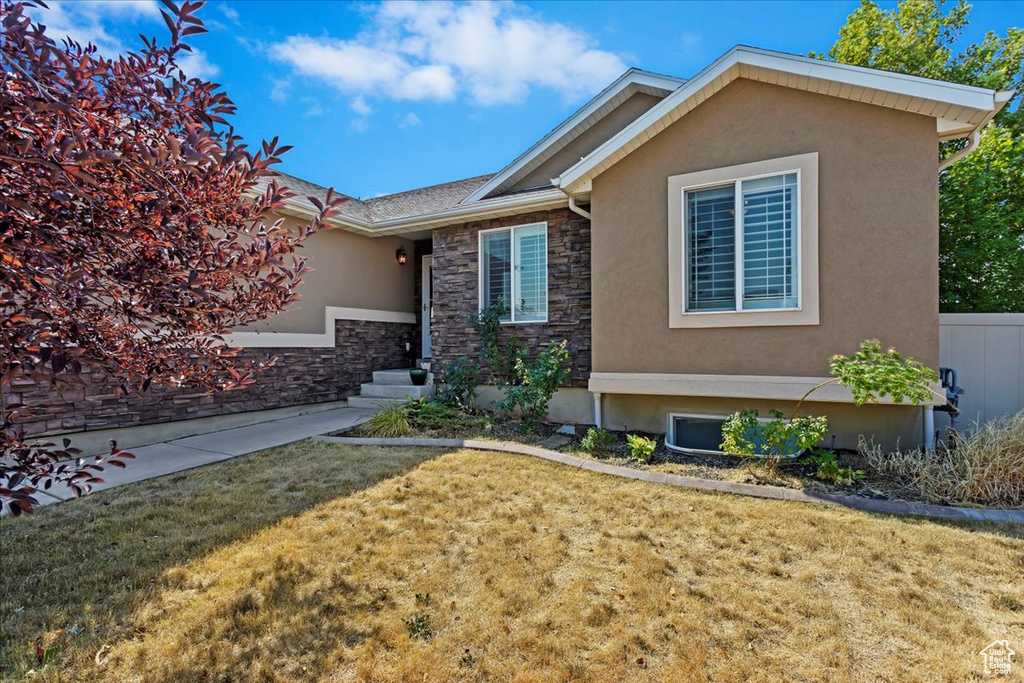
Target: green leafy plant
(829, 469)
(597, 439)
(390, 421)
(431, 415)
(458, 383)
(500, 358)
(640, 447)
(869, 374)
(746, 434)
(419, 626)
(537, 381)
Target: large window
(743, 244)
(743, 259)
(514, 272)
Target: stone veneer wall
(301, 376)
(457, 295)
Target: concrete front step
(372, 403)
(395, 391)
(397, 377)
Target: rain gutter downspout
(598, 419)
(576, 209)
(974, 138)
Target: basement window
(699, 434)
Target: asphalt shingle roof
(416, 202)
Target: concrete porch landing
(167, 457)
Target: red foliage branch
(133, 235)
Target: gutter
(974, 137)
(547, 199)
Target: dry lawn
(508, 568)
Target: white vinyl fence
(987, 351)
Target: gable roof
(625, 86)
(958, 109)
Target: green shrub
(501, 359)
(640, 447)
(390, 421)
(744, 433)
(985, 467)
(597, 439)
(869, 374)
(431, 415)
(829, 469)
(458, 383)
(537, 382)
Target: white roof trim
(488, 208)
(959, 109)
(629, 83)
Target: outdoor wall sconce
(401, 256)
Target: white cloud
(313, 107)
(279, 89)
(83, 22)
(410, 120)
(196, 65)
(229, 12)
(360, 107)
(495, 52)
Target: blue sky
(380, 98)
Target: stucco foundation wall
(301, 376)
(350, 271)
(878, 235)
(569, 404)
(887, 425)
(457, 291)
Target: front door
(427, 307)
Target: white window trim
(481, 304)
(806, 168)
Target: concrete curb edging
(892, 507)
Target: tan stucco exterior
(877, 235)
(350, 271)
(588, 141)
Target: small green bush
(538, 380)
(597, 439)
(431, 415)
(745, 434)
(829, 469)
(640, 447)
(390, 422)
(458, 383)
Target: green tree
(981, 205)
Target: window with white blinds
(746, 260)
(514, 271)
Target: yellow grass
(540, 572)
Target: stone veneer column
(457, 294)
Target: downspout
(998, 101)
(972, 144)
(576, 209)
(598, 418)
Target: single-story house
(704, 245)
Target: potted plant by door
(418, 377)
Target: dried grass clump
(985, 467)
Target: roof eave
(632, 78)
(740, 61)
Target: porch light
(401, 256)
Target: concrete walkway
(158, 459)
